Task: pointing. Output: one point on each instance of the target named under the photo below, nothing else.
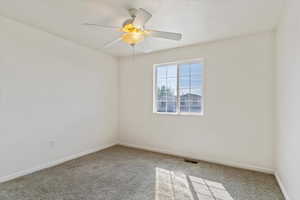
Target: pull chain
(133, 52)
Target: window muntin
(179, 88)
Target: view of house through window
(179, 87)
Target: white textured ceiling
(198, 20)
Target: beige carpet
(121, 173)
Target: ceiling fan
(133, 29)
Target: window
(178, 88)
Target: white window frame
(177, 63)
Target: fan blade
(144, 46)
(109, 44)
(165, 35)
(141, 18)
(102, 26)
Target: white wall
(288, 95)
(52, 90)
(237, 128)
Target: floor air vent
(190, 161)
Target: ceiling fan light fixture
(133, 29)
(128, 28)
(133, 38)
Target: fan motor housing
(132, 12)
(128, 21)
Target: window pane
(172, 71)
(171, 98)
(172, 86)
(161, 106)
(161, 72)
(161, 97)
(184, 91)
(161, 83)
(184, 82)
(171, 107)
(184, 108)
(196, 83)
(195, 106)
(166, 88)
(190, 86)
(161, 93)
(184, 100)
(184, 70)
(196, 68)
(196, 92)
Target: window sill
(179, 114)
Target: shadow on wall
(172, 185)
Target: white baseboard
(53, 163)
(222, 162)
(283, 190)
